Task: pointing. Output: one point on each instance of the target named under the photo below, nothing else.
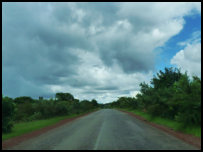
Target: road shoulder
(190, 139)
(16, 140)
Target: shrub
(8, 109)
(24, 110)
(35, 116)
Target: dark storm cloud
(14, 85)
(55, 37)
(93, 92)
(78, 83)
(129, 62)
(135, 63)
(36, 55)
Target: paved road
(105, 129)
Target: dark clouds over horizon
(92, 50)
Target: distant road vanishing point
(106, 129)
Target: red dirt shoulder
(16, 140)
(195, 141)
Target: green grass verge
(26, 127)
(196, 131)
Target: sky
(96, 51)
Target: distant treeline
(28, 109)
(170, 94)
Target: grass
(177, 126)
(26, 127)
(196, 131)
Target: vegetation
(170, 95)
(7, 114)
(26, 127)
(175, 125)
(171, 99)
(25, 109)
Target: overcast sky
(95, 50)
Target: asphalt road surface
(106, 129)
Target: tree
(167, 78)
(23, 111)
(187, 97)
(23, 99)
(94, 103)
(64, 97)
(86, 105)
(156, 98)
(8, 109)
(40, 98)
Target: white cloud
(134, 93)
(156, 12)
(154, 23)
(140, 29)
(92, 50)
(92, 73)
(189, 59)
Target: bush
(35, 116)
(23, 111)
(28, 109)
(170, 95)
(61, 108)
(188, 98)
(8, 109)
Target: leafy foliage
(8, 109)
(171, 95)
(23, 99)
(188, 97)
(64, 97)
(24, 108)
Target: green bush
(35, 116)
(28, 109)
(171, 95)
(188, 97)
(8, 109)
(23, 111)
